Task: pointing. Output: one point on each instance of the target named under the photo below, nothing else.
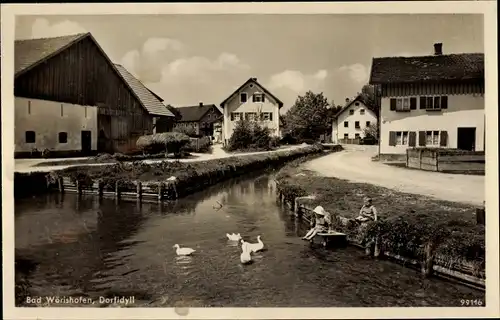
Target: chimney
(346, 100)
(254, 79)
(201, 104)
(438, 49)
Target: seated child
(319, 224)
(367, 212)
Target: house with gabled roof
(253, 102)
(203, 119)
(71, 99)
(434, 101)
(350, 122)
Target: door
(86, 142)
(466, 139)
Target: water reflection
(86, 246)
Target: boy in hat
(319, 224)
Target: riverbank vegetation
(251, 136)
(407, 225)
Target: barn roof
(32, 52)
(464, 66)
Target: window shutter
(437, 101)
(443, 136)
(263, 97)
(429, 103)
(421, 138)
(392, 138)
(444, 102)
(393, 104)
(253, 98)
(423, 102)
(232, 116)
(270, 116)
(412, 139)
(413, 103)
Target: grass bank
(189, 177)
(409, 225)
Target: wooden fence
(445, 160)
(349, 141)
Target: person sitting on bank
(319, 223)
(367, 212)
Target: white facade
(55, 126)
(352, 121)
(458, 125)
(247, 103)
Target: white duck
(233, 236)
(254, 247)
(245, 256)
(183, 251)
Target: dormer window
(351, 112)
(243, 97)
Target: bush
(188, 131)
(168, 142)
(249, 136)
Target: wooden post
(60, 184)
(117, 190)
(100, 188)
(428, 264)
(481, 216)
(139, 190)
(78, 187)
(160, 191)
(376, 249)
(297, 210)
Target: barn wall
(82, 75)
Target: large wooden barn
(75, 71)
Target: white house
(349, 123)
(247, 102)
(430, 101)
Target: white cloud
(357, 72)
(41, 28)
(155, 45)
(297, 81)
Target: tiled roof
(152, 104)
(30, 52)
(465, 66)
(254, 80)
(194, 113)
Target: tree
(371, 95)
(188, 130)
(308, 118)
(371, 131)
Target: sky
(187, 59)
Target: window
(258, 97)
(351, 112)
(356, 104)
(403, 104)
(362, 111)
(434, 103)
(251, 116)
(209, 116)
(356, 136)
(63, 137)
(243, 97)
(401, 138)
(356, 124)
(346, 136)
(29, 107)
(367, 123)
(235, 116)
(30, 136)
(432, 138)
(346, 124)
(267, 116)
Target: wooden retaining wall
(432, 264)
(443, 160)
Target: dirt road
(354, 164)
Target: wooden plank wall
(418, 89)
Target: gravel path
(354, 164)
